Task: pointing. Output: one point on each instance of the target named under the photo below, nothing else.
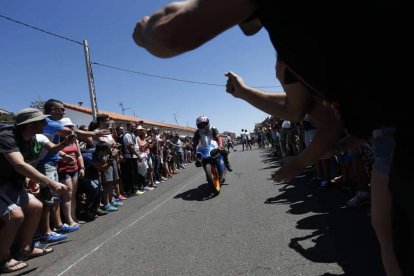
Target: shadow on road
(201, 193)
(26, 272)
(340, 235)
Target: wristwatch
(82, 168)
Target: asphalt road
(254, 227)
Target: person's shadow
(339, 235)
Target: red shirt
(64, 166)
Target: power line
(168, 78)
(40, 30)
(122, 69)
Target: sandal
(31, 254)
(75, 224)
(5, 268)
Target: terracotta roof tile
(125, 118)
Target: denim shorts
(111, 174)
(383, 147)
(11, 198)
(50, 171)
(66, 175)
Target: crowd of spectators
(55, 177)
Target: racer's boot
(226, 161)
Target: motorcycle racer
(204, 134)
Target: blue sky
(35, 64)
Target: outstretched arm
(330, 130)
(292, 105)
(17, 161)
(183, 26)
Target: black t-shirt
(12, 141)
(350, 56)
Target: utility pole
(175, 117)
(91, 85)
(123, 109)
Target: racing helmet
(203, 123)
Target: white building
(83, 116)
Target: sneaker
(138, 192)
(121, 197)
(66, 229)
(117, 204)
(110, 208)
(53, 237)
(361, 199)
(100, 212)
(116, 199)
(157, 182)
(148, 188)
(153, 185)
(162, 181)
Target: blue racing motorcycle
(213, 164)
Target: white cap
(66, 122)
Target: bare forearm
(271, 103)
(55, 147)
(323, 142)
(84, 134)
(183, 26)
(133, 151)
(80, 162)
(31, 173)
(330, 130)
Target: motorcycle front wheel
(212, 179)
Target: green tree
(7, 117)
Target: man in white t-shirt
(243, 138)
(229, 143)
(249, 139)
(129, 167)
(110, 178)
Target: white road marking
(122, 230)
